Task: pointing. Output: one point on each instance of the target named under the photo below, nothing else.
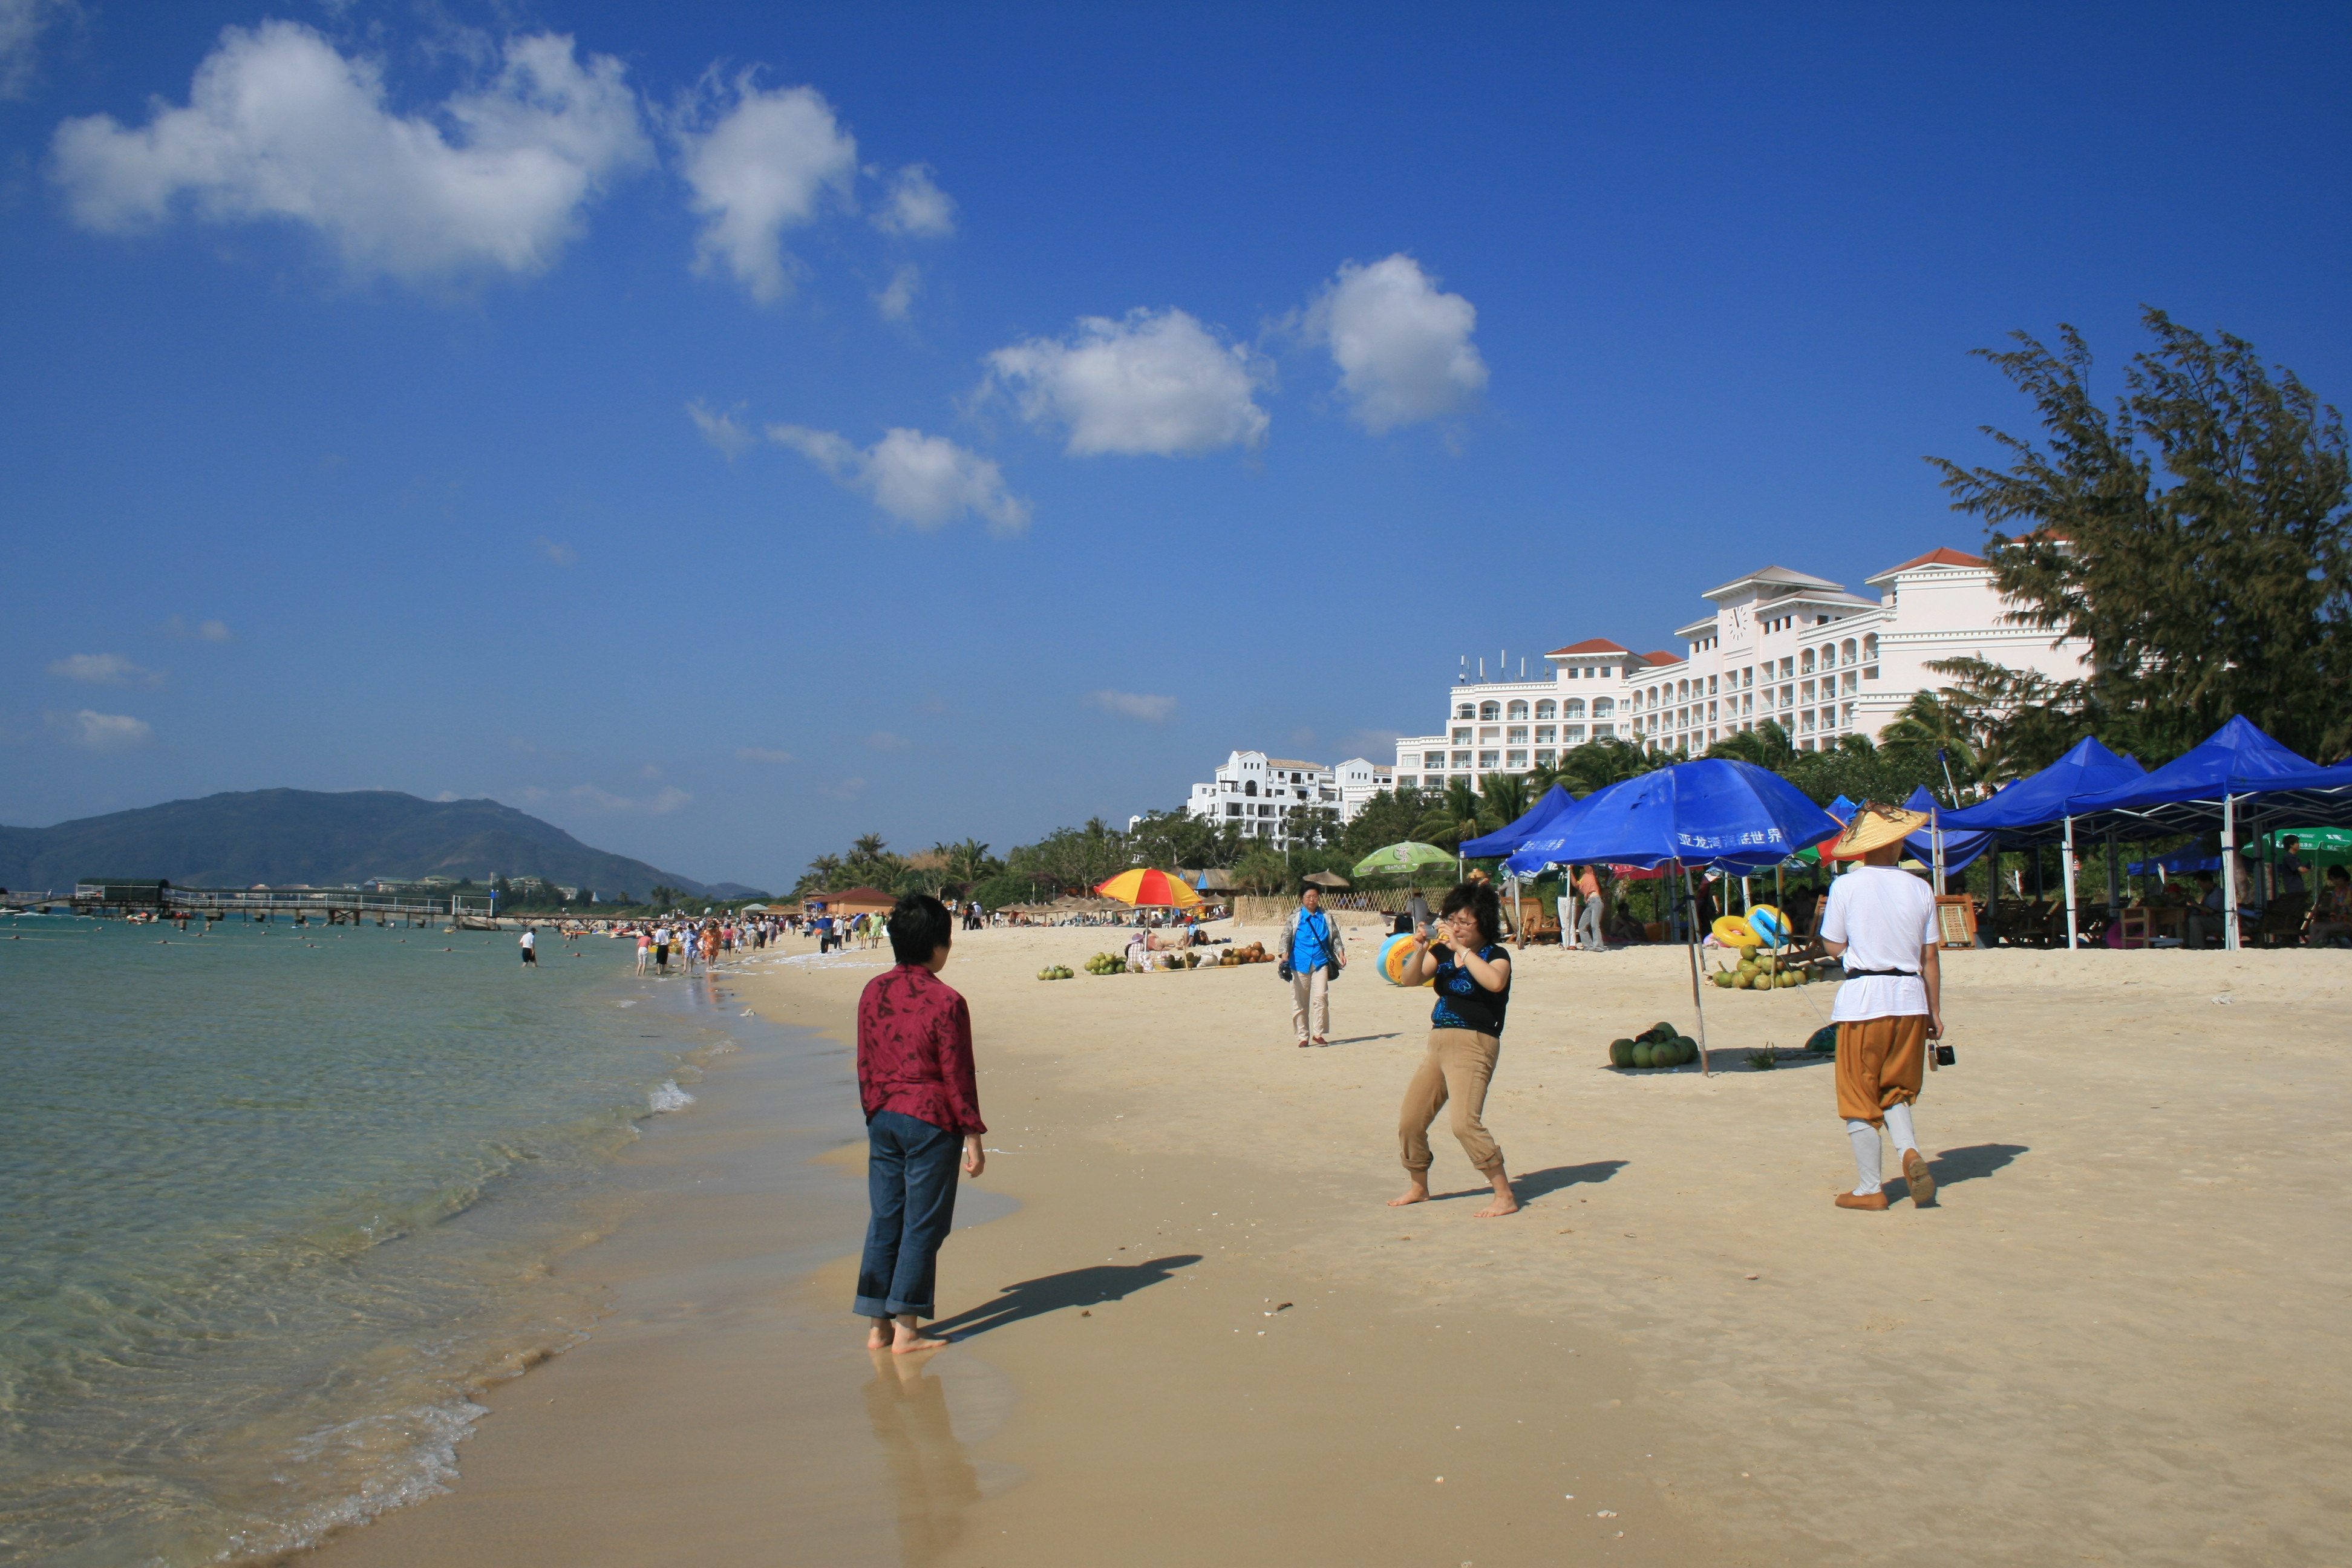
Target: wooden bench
(1537, 921)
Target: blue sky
(500, 400)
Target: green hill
(283, 836)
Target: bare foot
(1416, 1193)
(914, 1342)
(877, 1338)
(1505, 1201)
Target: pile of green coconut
(1761, 971)
(1659, 1046)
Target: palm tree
(1766, 745)
(1935, 724)
(1507, 796)
(1456, 815)
(1597, 764)
(867, 847)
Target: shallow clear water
(275, 1200)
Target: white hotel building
(1778, 645)
(1258, 793)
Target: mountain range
(288, 836)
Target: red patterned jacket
(914, 1050)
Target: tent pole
(2067, 868)
(2114, 881)
(1935, 837)
(2229, 872)
(1696, 1005)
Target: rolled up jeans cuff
(867, 1307)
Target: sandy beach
(2120, 1336)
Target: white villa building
(1259, 793)
(1778, 645)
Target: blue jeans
(910, 1180)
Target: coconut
(1725, 979)
(1645, 1054)
(1823, 1038)
(1620, 1053)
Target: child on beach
(1472, 971)
(917, 1085)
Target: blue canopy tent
(1711, 812)
(2191, 859)
(1959, 848)
(1505, 840)
(2034, 811)
(2236, 777)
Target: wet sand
(2120, 1336)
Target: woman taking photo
(1472, 971)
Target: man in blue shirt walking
(1312, 953)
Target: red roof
(1663, 656)
(1590, 645)
(1940, 556)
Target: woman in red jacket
(916, 1079)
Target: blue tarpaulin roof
(1714, 810)
(2040, 799)
(2235, 760)
(1504, 840)
(1959, 848)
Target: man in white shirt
(1881, 923)
(529, 946)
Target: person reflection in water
(928, 1470)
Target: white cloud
(201, 631)
(1134, 704)
(897, 302)
(280, 125)
(1160, 383)
(22, 23)
(915, 206)
(720, 428)
(104, 731)
(927, 481)
(1403, 348)
(556, 553)
(102, 669)
(669, 800)
(762, 754)
(761, 167)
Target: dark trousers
(910, 1180)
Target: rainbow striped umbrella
(1146, 886)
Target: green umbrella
(1401, 857)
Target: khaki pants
(1456, 1072)
(1880, 1062)
(1310, 991)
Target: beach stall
(1712, 812)
(2033, 813)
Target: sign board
(1956, 920)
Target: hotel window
(1518, 711)
(1461, 737)
(1572, 709)
(1432, 759)
(1805, 662)
(1516, 760)
(1490, 710)
(1604, 731)
(1710, 713)
(1232, 808)
(1849, 715)
(1546, 732)
(1806, 722)
(1788, 670)
(1461, 758)
(1747, 703)
(1711, 685)
(1518, 734)
(1602, 707)
(1544, 757)
(1573, 734)
(1805, 692)
(1547, 708)
(1853, 682)
(1406, 781)
(1489, 761)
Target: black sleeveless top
(1462, 1001)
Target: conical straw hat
(1872, 825)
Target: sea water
(275, 1202)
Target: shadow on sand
(1532, 1184)
(1052, 1293)
(1977, 1160)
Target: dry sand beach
(2120, 1336)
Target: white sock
(1865, 1138)
(1898, 1127)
